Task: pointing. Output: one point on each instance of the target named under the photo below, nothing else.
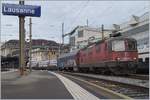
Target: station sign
(21, 10)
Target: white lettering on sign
(19, 10)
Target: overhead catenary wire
(79, 13)
(136, 12)
(126, 17)
(75, 19)
(68, 12)
(102, 14)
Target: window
(147, 45)
(146, 60)
(131, 45)
(80, 33)
(118, 45)
(140, 60)
(72, 41)
(53, 52)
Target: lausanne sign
(21, 10)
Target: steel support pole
(62, 33)
(30, 51)
(61, 49)
(87, 22)
(102, 31)
(21, 42)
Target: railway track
(129, 90)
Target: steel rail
(121, 88)
(103, 90)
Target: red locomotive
(117, 55)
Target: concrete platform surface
(37, 85)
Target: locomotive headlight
(118, 58)
(134, 58)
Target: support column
(21, 42)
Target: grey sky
(72, 13)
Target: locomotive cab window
(118, 45)
(131, 45)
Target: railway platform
(41, 85)
(37, 85)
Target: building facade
(42, 50)
(42, 54)
(85, 35)
(9, 47)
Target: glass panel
(131, 45)
(118, 45)
(80, 33)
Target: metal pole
(21, 42)
(62, 37)
(102, 31)
(30, 51)
(87, 22)
(62, 33)
(59, 49)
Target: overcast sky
(72, 13)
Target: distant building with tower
(42, 50)
(11, 48)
